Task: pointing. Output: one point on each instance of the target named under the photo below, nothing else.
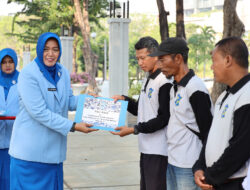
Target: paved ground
(102, 161)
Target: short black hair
(185, 57)
(147, 42)
(235, 47)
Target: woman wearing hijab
(8, 104)
(39, 137)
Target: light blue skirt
(4, 169)
(34, 175)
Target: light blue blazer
(10, 105)
(41, 127)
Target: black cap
(171, 46)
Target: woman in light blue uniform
(39, 137)
(8, 104)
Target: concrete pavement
(102, 161)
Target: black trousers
(153, 172)
(235, 184)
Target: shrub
(135, 89)
(79, 78)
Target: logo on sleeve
(224, 111)
(150, 92)
(177, 101)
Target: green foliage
(97, 10)
(135, 89)
(191, 29)
(143, 25)
(39, 16)
(5, 27)
(97, 44)
(200, 45)
(172, 29)
(11, 41)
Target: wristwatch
(136, 131)
(73, 127)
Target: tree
(75, 65)
(232, 24)
(201, 45)
(191, 29)
(39, 16)
(180, 28)
(90, 58)
(163, 20)
(10, 41)
(82, 16)
(142, 25)
(232, 27)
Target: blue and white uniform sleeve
(162, 118)
(31, 96)
(237, 153)
(132, 105)
(234, 156)
(72, 100)
(201, 105)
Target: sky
(143, 6)
(138, 6)
(6, 9)
(135, 6)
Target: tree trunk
(90, 58)
(164, 31)
(232, 27)
(74, 53)
(180, 28)
(232, 24)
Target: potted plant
(79, 82)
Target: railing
(7, 117)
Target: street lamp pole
(105, 61)
(118, 52)
(67, 48)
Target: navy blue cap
(171, 46)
